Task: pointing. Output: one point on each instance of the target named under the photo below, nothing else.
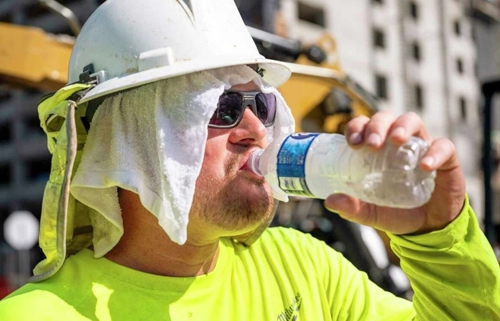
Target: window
(460, 66)
(414, 10)
(31, 128)
(463, 108)
(6, 176)
(381, 86)
(5, 132)
(38, 170)
(6, 17)
(415, 51)
(457, 28)
(260, 14)
(5, 95)
(418, 97)
(311, 14)
(378, 38)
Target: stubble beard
(223, 203)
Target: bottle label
(291, 164)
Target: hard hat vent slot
(156, 58)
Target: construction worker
(153, 132)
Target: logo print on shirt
(292, 312)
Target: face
(229, 198)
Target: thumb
(345, 205)
(351, 209)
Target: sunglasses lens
(266, 108)
(228, 110)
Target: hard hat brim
(275, 73)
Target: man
(168, 146)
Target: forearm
(453, 272)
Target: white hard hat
(130, 43)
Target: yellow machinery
(29, 57)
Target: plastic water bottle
(317, 165)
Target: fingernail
(374, 140)
(355, 139)
(399, 131)
(428, 161)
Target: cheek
(214, 158)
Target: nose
(250, 130)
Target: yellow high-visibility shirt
(286, 275)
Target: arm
(453, 271)
(440, 245)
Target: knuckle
(383, 117)
(360, 119)
(449, 144)
(444, 144)
(413, 115)
(411, 118)
(357, 123)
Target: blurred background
(438, 58)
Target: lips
(244, 165)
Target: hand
(447, 199)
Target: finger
(355, 129)
(407, 125)
(377, 128)
(440, 155)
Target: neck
(146, 247)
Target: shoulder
(31, 302)
(54, 298)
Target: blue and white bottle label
(291, 164)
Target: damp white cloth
(151, 141)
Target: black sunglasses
(232, 106)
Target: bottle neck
(253, 161)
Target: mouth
(246, 168)
(244, 161)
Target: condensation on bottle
(317, 165)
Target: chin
(234, 205)
(244, 205)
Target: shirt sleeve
(453, 272)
